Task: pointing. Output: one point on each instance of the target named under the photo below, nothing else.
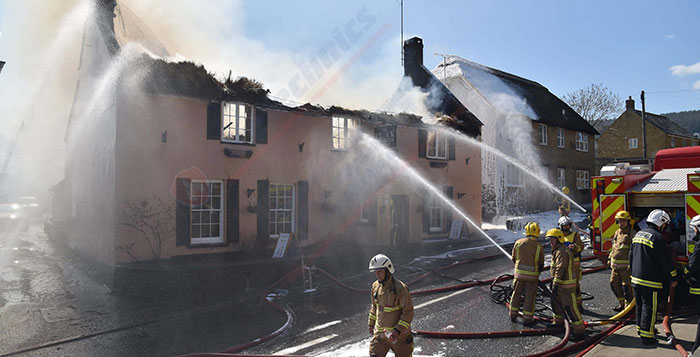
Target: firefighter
(574, 242)
(651, 270)
(528, 257)
(391, 313)
(620, 282)
(564, 204)
(692, 274)
(564, 284)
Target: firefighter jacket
(392, 307)
(528, 257)
(562, 269)
(575, 239)
(650, 263)
(620, 252)
(692, 272)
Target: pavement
(625, 341)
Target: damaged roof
(511, 93)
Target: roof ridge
(493, 70)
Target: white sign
(456, 229)
(281, 247)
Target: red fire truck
(673, 185)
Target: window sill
(236, 143)
(208, 245)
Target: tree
(595, 103)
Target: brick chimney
(629, 103)
(412, 53)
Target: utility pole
(644, 127)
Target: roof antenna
(444, 64)
(401, 33)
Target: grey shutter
(232, 211)
(373, 212)
(182, 212)
(263, 210)
(422, 142)
(452, 147)
(303, 210)
(426, 211)
(214, 121)
(260, 126)
(448, 210)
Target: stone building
(623, 141)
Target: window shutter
(303, 210)
(426, 211)
(447, 210)
(260, 126)
(372, 212)
(422, 142)
(263, 210)
(232, 211)
(214, 121)
(452, 147)
(182, 212)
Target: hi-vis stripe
(695, 184)
(611, 205)
(692, 206)
(612, 187)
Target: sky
(627, 46)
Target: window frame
(344, 129)
(561, 138)
(543, 134)
(436, 212)
(365, 207)
(673, 142)
(272, 211)
(513, 176)
(226, 127)
(561, 179)
(207, 240)
(585, 177)
(635, 141)
(581, 142)
(438, 135)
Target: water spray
(468, 140)
(367, 139)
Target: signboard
(281, 247)
(386, 135)
(456, 229)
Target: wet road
(45, 300)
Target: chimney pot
(629, 103)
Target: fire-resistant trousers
(380, 345)
(696, 297)
(647, 300)
(530, 289)
(621, 284)
(567, 302)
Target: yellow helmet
(555, 232)
(565, 190)
(532, 229)
(623, 215)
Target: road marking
(319, 327)
(291, 350)
(442, 298)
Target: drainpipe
(644, 128)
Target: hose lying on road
(667, 323)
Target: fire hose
(667, 323)
(289, 314)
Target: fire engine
(673, 185)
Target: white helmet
(564, 220)
(695, 222)
(381, 261)
(658, 217)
